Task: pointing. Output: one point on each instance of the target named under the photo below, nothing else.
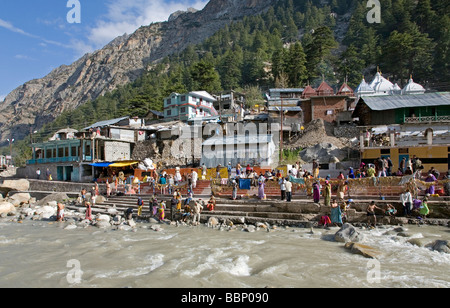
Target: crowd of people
(191, 209)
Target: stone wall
(55, 186)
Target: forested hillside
(295, 43)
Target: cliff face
(40, 101)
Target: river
(39, 254)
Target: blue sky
(36, 36)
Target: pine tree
(350, 66)
(424, 15)
(318, 50)
(205, 77)
(296, 65)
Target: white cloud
(7, 25)
(23, 57)
(124, 16)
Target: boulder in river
(348, 233)
(55, 197)
(7, 208)
(440, 245)
(364, 250)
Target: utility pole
(10, 149)
(281, 131)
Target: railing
(52, 160)
(427, 119)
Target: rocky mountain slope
(123, 60)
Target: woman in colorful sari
(161, 211)
(336, 213)
(316, 192)
(430, 178)
(261, 186)
(327, 193)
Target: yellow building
(437, 156)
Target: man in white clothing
(288, 186)
(194, 178)
(406, 199)
(196, 211)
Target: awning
(123, 164)
(101, 165)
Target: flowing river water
(39, 254)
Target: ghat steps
(298, 212)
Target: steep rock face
(122, 61)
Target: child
(424, 210)
(390, 210)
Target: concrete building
(188, 106)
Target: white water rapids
(38, 254)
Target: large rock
(120, 62)
(420, 242)
(348, 233)
(100, 199)
(21, 198)
(364, 250)
(102, 224)
(103, 217)
(58, 197)
(7, 208)
(19, 185)
(213, 222)
(441, 246)
(46, 211)
(324, 152)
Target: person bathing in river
(371, 215)
(60, 212)
(88, 211)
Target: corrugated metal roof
(106, 123)
(389, 102)
(239, 139)
(285, 108)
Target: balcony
(52, 160)
(428, 119)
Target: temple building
(380, 86)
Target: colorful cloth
(245, 184)
(336, 215)
(294, 180)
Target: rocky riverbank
(21, 206)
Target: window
(169, 112)
(183, 110)
(183, 98)
(403, 151)
(169, 101)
